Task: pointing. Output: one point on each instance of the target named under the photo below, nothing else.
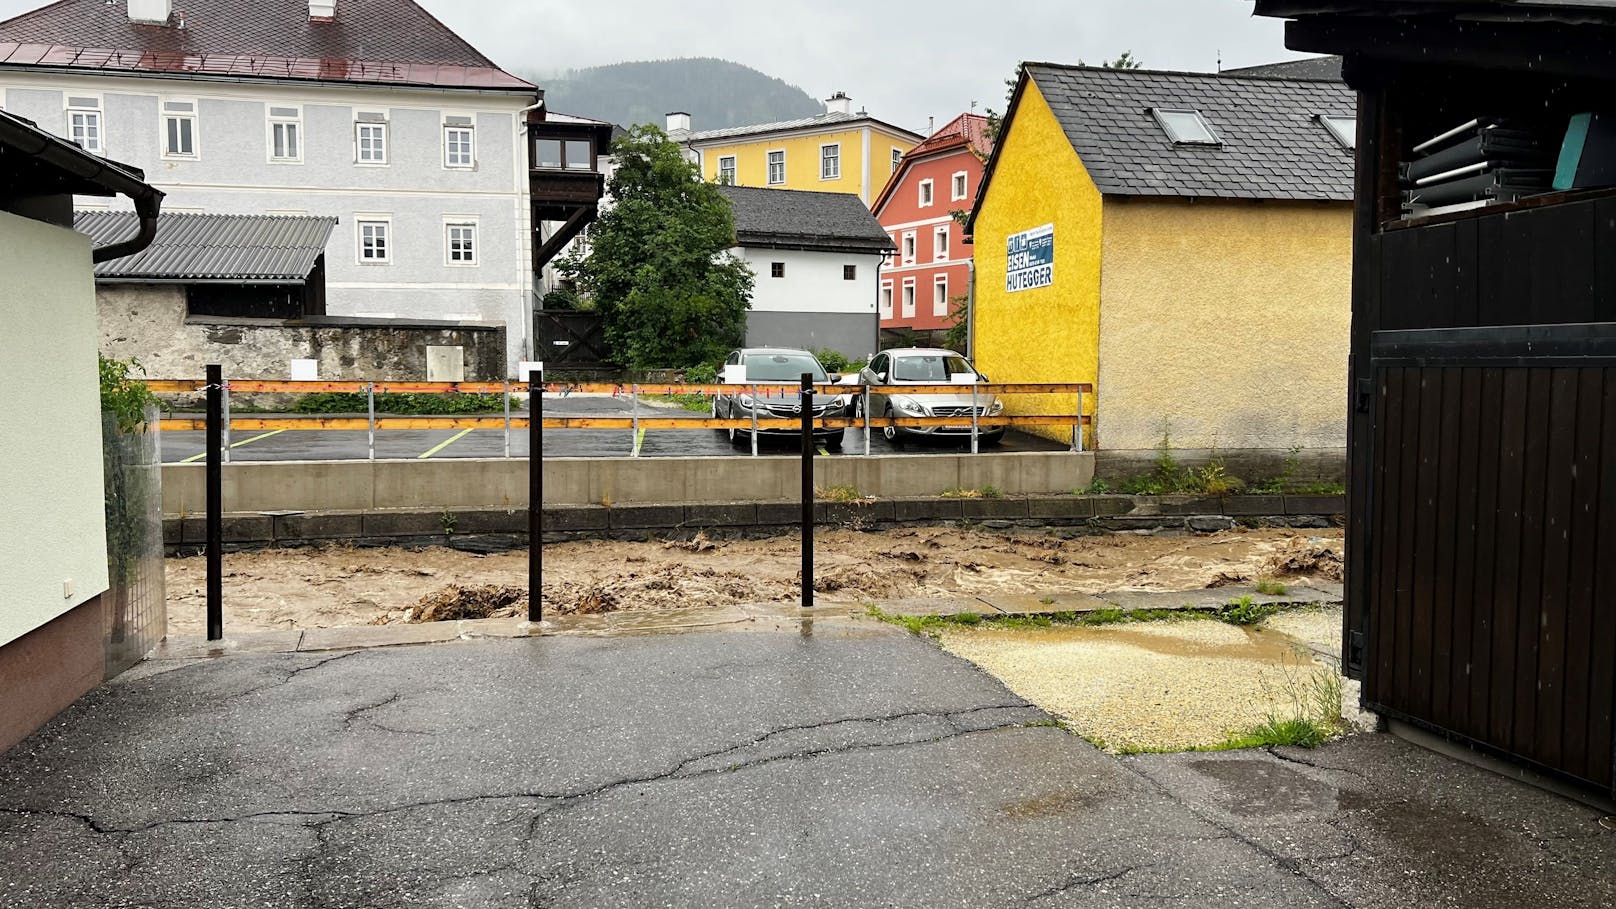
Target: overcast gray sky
(903, 61)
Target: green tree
(658, 269)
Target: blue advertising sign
(1032, 259)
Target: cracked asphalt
(841, 765)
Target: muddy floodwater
(338, 585)
(1160, 685)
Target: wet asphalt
(847, 764)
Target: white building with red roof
(371, 111)
(931, 270)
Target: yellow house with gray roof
(839, 151)
(1184, 242)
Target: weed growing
(1245, 612)
(843, 493)
(1272, 587)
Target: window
(370, 140)
(830, 162)
(579, 154)
(179, 129)
(897, 159)
(909, 298)
(1343, 129)
(849, 272)
(84, 123)
(909, 248)
(961, 184)
(777, 167)
(939, 299)
(886, 302)
(1185, 127)
(459, 147)
(777, 269)
(547, 153)
(375, 245)
(939, 249)
(286, 134)
(726, 170)
(925, 193)
(461, 242)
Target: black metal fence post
(215, 484)
(535, 500)
(807, 490)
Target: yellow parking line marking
(450, 441)
(198, 457)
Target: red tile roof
(971, 129)
(378, 41)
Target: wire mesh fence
(137, 613)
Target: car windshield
(929, 368)
(782, 367)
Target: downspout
(970, 309)
(147, 207)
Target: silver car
(930, 366)
(778, 365)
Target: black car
(777, 365)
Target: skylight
(1185, 127)
(1344, 129)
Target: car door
(873, 375)
(727, 399)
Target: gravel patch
(1319, 627)
(1149, 686)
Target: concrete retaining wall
(487, 530)
(259, 486)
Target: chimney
(150, 12)
(678, 122)
(839, 103)
(323, 9)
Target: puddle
(1255, 644)
(1263, 788)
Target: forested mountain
(716, 93)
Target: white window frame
(769, 158)
(734, 169)
(386, 222)
(939, 243)
(1165, 117)
(358, 136)
(824, 159)
(959, 186)
(939, 299)
(69, 110)
(928, 194)
(272, 120)
(897, 158)
(908, 298)
(909, 249)
(452, 224)
(471, 143)
(164, 116)
(886, 301)
(1343, 130)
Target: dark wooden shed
(1481, 541)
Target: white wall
(232, 173)
(813, 282)
(52, 525)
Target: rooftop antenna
(1220, 60)
(931, 125)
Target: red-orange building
(932, 265)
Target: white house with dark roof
(368, 111)
(817, 261)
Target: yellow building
(1184, 242)
(839, 151)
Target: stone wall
(149, 322)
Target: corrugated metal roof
(246, 249)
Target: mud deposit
(337, 586)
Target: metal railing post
(807, 399)
(754, 409)
(370, 414)
(535, 500)
(974, 449)
(215, 497)
(225, 389)
(864, 408)
(1077, 431)
(507, 395)
(634, 404)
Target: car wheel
(834, 442)
(890, 433)
(717, 415)
(737, 438)
(992, 439)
